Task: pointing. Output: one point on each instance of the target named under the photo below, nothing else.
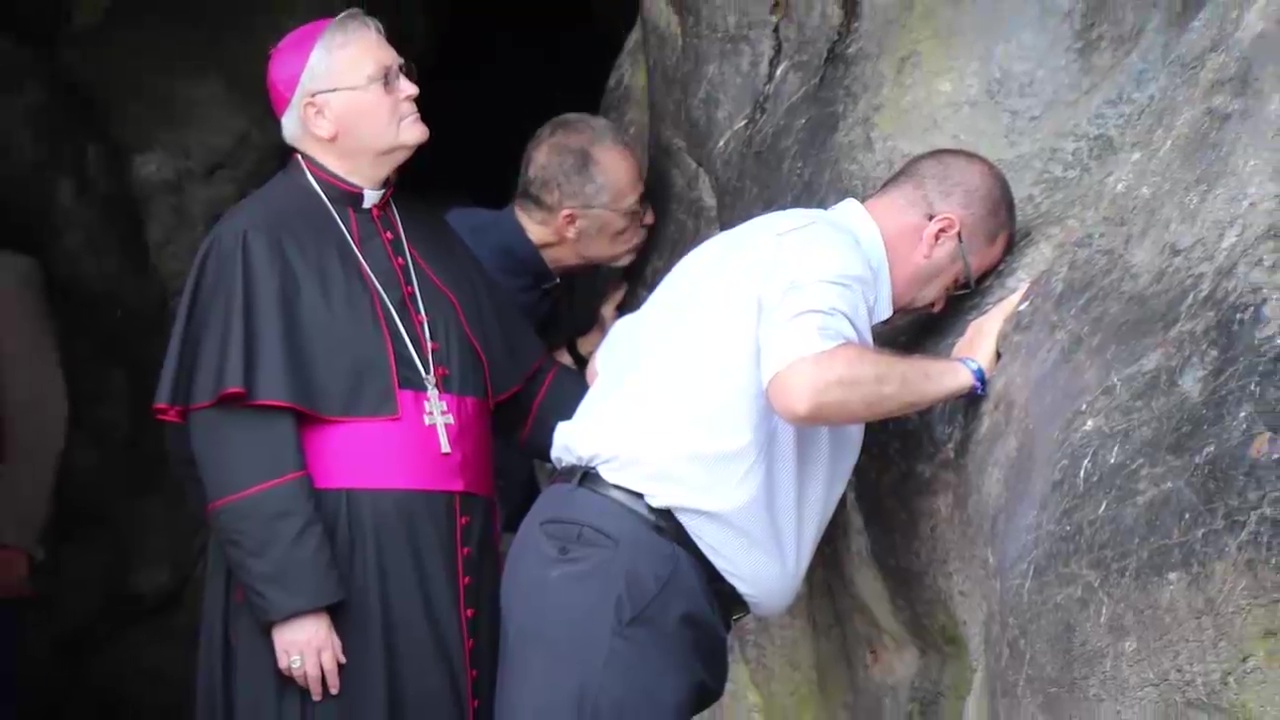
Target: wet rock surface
(1101, 535)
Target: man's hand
(311, 639)
(15, 573)
(590, 342)
(608, 316)
(609, 308)
(981, 339)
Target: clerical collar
(372, 197)
(340, 192)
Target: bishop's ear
(318, 118)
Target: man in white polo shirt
(720, 433)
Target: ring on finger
(295, 662)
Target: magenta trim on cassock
(288, 59)
(404, 453)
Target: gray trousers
(603, 618)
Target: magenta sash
(404, 453)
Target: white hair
(348, 24)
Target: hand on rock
(981, 339)
(309, 651)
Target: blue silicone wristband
(979, 376)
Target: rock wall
(1098, 535)
(1101, 536)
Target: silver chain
(428, 373)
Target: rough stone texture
(1101, 536)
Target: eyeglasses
(635, 213)
(389, 79)
(970, 284)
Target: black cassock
(326, 486)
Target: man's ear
(939, 229)
(316, 117)
(569, 223)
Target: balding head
(560, 167)
(948, 218)
(581, 186)
(962, 182)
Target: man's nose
(408, 89)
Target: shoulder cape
(252, 325)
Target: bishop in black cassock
(339, 359)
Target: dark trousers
(603, 618)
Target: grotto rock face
(1098, 535)
(1102, 533)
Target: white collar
(854, 215)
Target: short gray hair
(961, 181)
(559, 167)
(347, 24)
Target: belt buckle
(730, 601)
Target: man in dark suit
(578, 217)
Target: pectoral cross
(437, 413)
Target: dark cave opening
(134, 156)
(502, 69)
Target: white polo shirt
(679, 414)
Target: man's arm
(531, 413)
(578, 352)
(588, 343)
(820, 368)
(261, 510)
(817, 356)
(851, 384)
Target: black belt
(732, 607)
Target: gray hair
(559, 167)
(348, 24)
